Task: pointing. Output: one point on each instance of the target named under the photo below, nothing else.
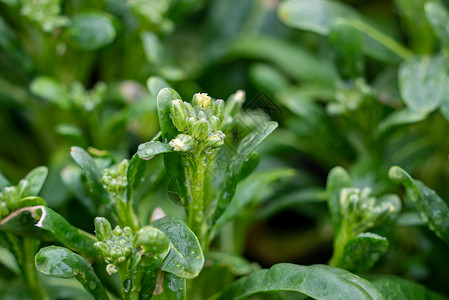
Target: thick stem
(34, 287)
(196, 209)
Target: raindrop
(92, 285)
(127, 285)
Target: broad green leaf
(245, 148)
(337, 179)
(394, 288)
(438, 17)
(51, 90)
(185, 258)
(149, 149)
(93, 175)
(347, 45)
(318, 16)
(172, 288)
(63, 263)
(91, 31)
(36, 179)
(315, 281)
(155, 84)
(238, 265)
(43, 223)
(400, 117)
(431, 207)
(4, 182)
(422, 82)
(363, 251)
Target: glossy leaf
(51, 90)
(316, 281)
(393, 288)
(43, 223)
(172, 288)
(63, 263)
(438, 17)
(337, 179)
(431, 207)
(245, 148)
(422, 82)
(185, 258)
(363, 251)
(149, 149)
(249, 165)
(36, 179)
(91, 31)
(93, 175)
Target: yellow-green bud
(201, 100)
(178, 114)
(182, 142)
(111, 269)
(127, 232)
(202, 115)
(117, 231)
(216, 140)
(102, 228)
(218, 109)
(151, 240)
(102, 248)
(201, 129)
(191, 123)
(189, 109)
(234, 103)
(214, 123)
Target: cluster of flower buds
(115, 179)
(350, 96)
(198, 123)
(364, 211)
(10, 196)
(113, 244)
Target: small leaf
(93, 175)
(51, 90)
(43, 223)
(431, 207)
(394, 288)
(91, 31)
(185, 258)
(422, 82)
(438, 17)
(36, 179)
(315, 281)
(63, 263)
(337, 179)
(363, 251)
(149, 149)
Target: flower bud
(191, 123)
(216, 140)
(151, 240)
(182, 142)
(235, 103)
(214, 123)
(102, 248)
(102, 228)
(128, 232)
(117, 231)
(218, 109)
(122, 168)
(189, 109)
(201, 129)
(201, 100)
(111, 269)
(202, 115)
(178, 114)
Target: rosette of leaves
(354, 211)
(204, 173)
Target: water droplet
(127, 285)
(149, 151)
(92, 285)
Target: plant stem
(29, 251)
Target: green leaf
(363, 251)
(91, 31)
(93, 175)
(400, 117)
(152, 47)
(235, 168)
(63, 263)
(36, 179)
(149, 149)
(185, 258)
(4, 182)
(155, 84)
(172, 288)
(431, 207)
(422, 82)
(316, 281)
(393, 288)
(43, 223)
(71, 177)
(249, 165)
(318, 16)
(238, 265)
(164, 98)
(51, 90)
(438, 17)
(337, 179)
